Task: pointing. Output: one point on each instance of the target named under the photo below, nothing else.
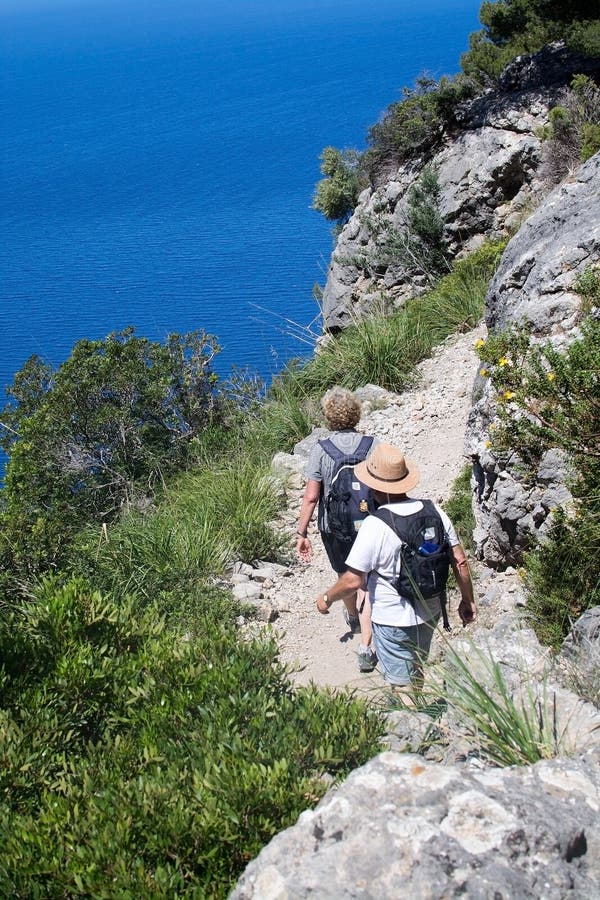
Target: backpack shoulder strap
(331, 450)
(394, 521)
(337, 455)
(364, 446)
(429, 508)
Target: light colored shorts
(401, 651)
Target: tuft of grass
(205, 521)
(509, 728)
(384, 350)
(460, 509)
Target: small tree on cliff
(337, 193)
(95, 436)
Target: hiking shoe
(367, 659)
(353, 622)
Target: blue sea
(159, 160)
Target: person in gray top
(342, 410)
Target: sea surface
(159, 160)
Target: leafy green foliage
(584, 37)
(141, 761)
(337, 193)
(573, 132)
(95, 436)
(418, 247)
(415, 125)
(460, 509)
(515, 27)
(551, 399)
(547, 398)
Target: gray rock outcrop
(488, 174)
(400, 826)
(487, 177)
(535, 282)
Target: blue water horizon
(159, 161)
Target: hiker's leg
(364, 614)
(337, 551)
(397, 652)
(422, 639)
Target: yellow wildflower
(479, 344)
(508, 395)
(488, 444)
(550, 376)
(483, 372)
(505, 361)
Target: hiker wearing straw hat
(402, 625)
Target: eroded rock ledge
(402, 827)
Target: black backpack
(424, 555)
(348, 500)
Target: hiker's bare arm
(347, 584)
(467, 609)
(310, 499)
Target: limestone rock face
(538, 269)
(489, 178)
(486, 176)
(534, 282)
(401, 826)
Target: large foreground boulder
(402, 827)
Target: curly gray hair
(341, 408)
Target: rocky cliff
(534, 282)
(490, 180)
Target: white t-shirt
(375, 550)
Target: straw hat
(388, 470)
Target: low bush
(415, 125)
(516, 27)
(419, 246)
(138, 760)
(459, 507)
(549, 398)
(337, 193)
(573, 132)
(98, 436)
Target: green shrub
(573, 131)
(420, 245)
(141, 761)
(414, 126)
(584, 36)
(97, 436)
(460, 508)
(337, 193)
(516, 27)
(549, 399)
